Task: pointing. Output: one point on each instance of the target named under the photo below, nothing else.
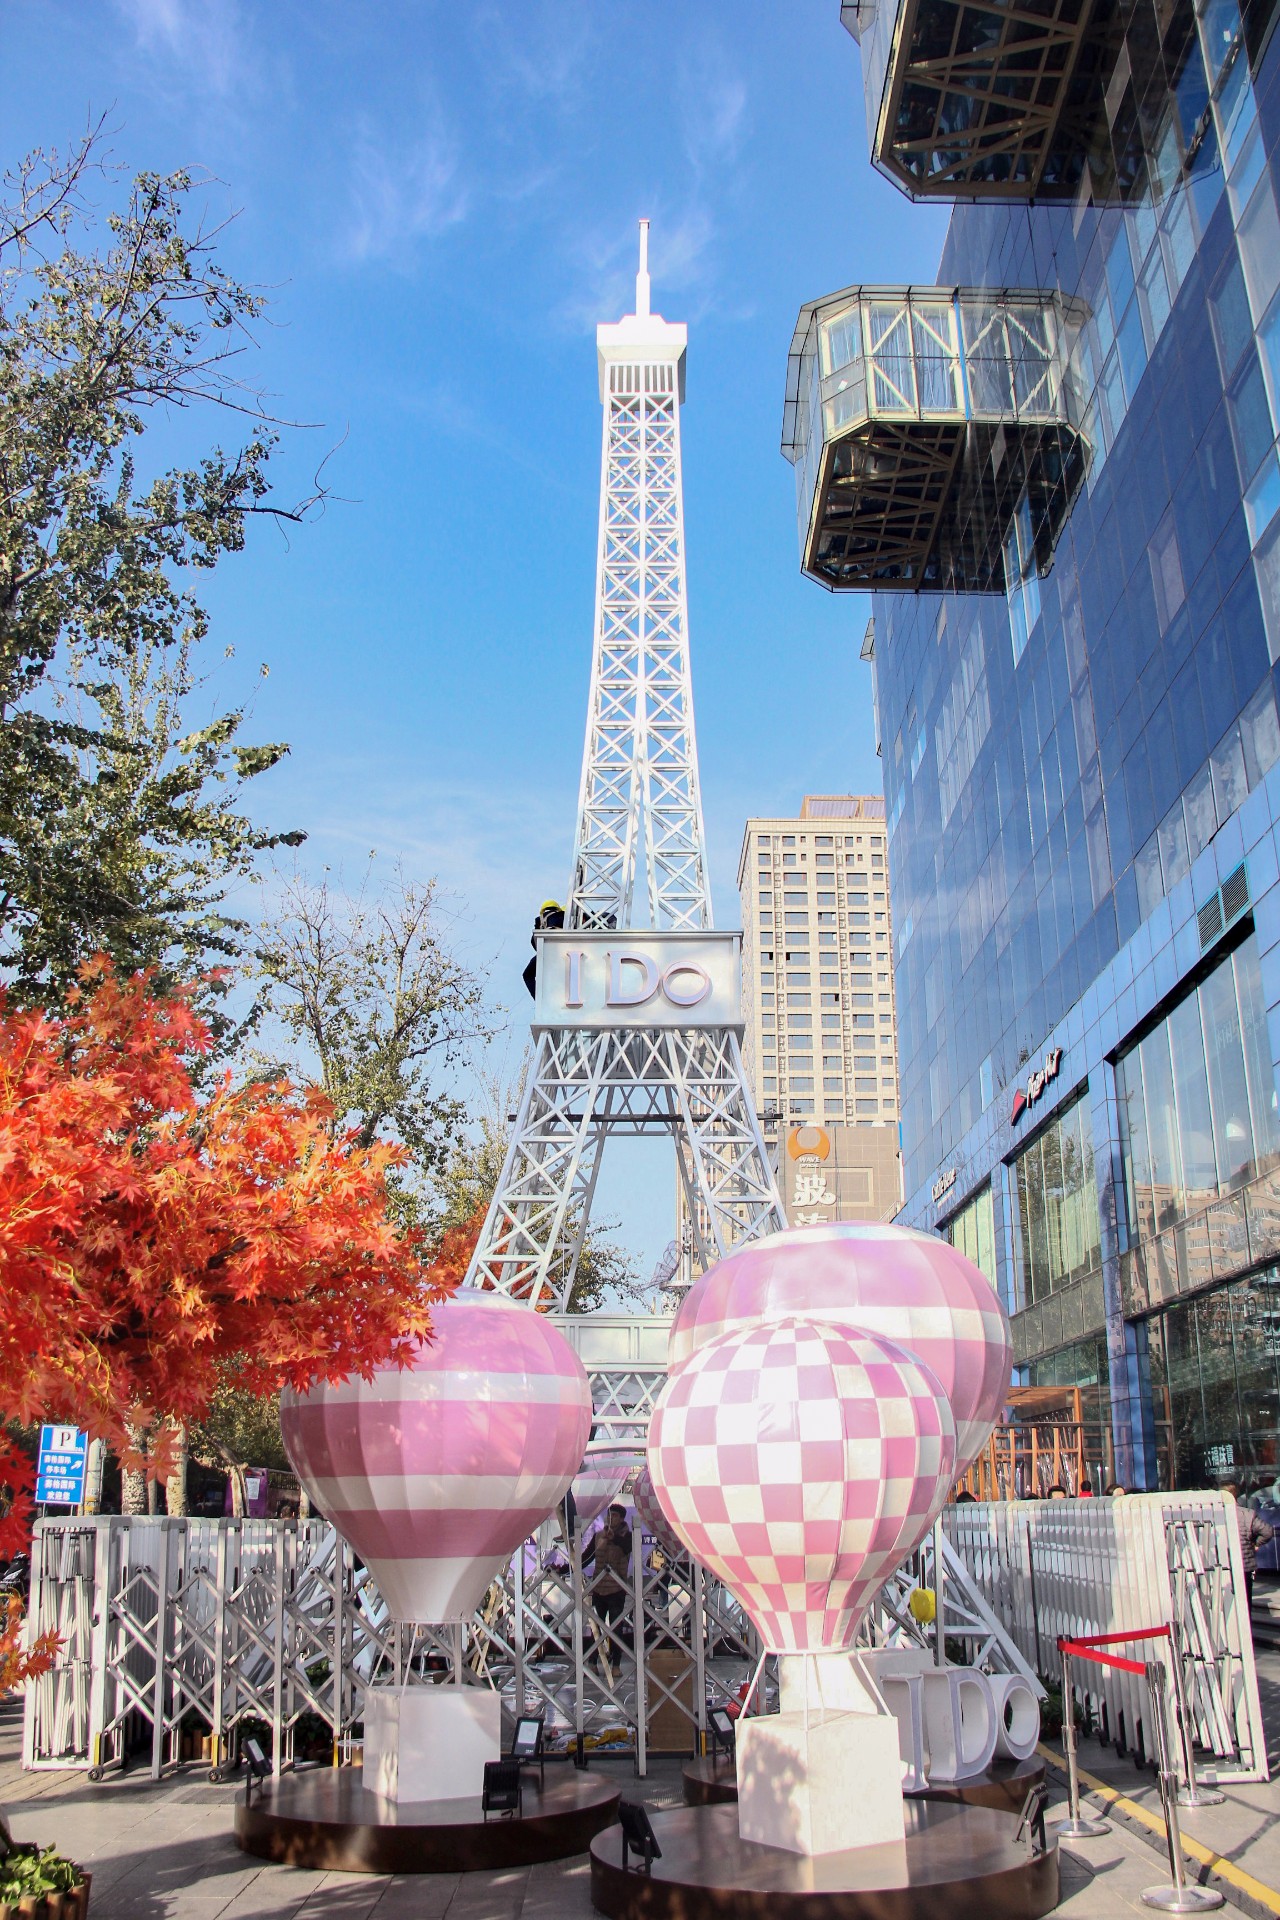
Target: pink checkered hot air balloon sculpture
(826, 1386)
(800, 1461)
(436, 1473)
(908, 1287)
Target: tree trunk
(175, 1487)
(134, 1480)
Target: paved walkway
(1242, 1836)
(165, 1852)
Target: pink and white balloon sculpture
(827, 1385)
(598, 1483)
(437, 1472)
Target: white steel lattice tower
(637, 1020)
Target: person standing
(1254, 1533)
(610, 1549)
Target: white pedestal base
(821, 1783)
(430, 1743)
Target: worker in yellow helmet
(550, 916)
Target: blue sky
(443, 200)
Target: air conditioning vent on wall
(1235, 894)
(1226, 905)
(1210, 918)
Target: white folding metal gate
(1081, 1567)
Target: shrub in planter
(39, 1884)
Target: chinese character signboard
(60, 1469)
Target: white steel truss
(640, 869)
(640, 853)
(585, 1084)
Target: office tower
(820, 1046)
(1056, 469)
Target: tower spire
(642, 277)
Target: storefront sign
(809, 1143)
(1035, 1085)
(944, 1183)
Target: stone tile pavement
(166, 1852)
(1244, 1832)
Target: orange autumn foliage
(146, 1237)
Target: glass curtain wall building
(1076, 564)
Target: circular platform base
(958, 1863)
(709, 1782)
(1004, 1785)
(329, 1820)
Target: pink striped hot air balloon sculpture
(598, 1483)
(800, 1462)
(436, 1473)
(911, 1288)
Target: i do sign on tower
(60, 1468)
(670, 979)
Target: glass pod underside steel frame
(920, 421)
(1031, 99)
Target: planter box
(50, 1906)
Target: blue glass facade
(1082, 782)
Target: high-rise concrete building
(820, 1047)
(1058, 469)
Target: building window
(1197, 1099)
(972, 1232)
(1215, 1378)
(1057, 1206)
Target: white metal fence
(171, 1624)
(1080, 1567)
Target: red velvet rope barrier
(1088, 1648)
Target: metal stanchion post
(1075, 1826)
(1178, 1897)
(1192, 1793)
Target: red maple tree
(146, 1237)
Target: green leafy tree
(118, 823)
(240, 1430)
(377, 1008)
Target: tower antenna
(642, 278)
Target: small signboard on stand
(60, 1469)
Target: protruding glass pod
(973, 98)
(934, 435)
(1043, 99)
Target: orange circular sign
(809, 1143)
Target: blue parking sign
(60, 1469)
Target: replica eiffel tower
(637, 1021)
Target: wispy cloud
(204, 42)
(713, 110)
(543, 52)
(403, 192)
